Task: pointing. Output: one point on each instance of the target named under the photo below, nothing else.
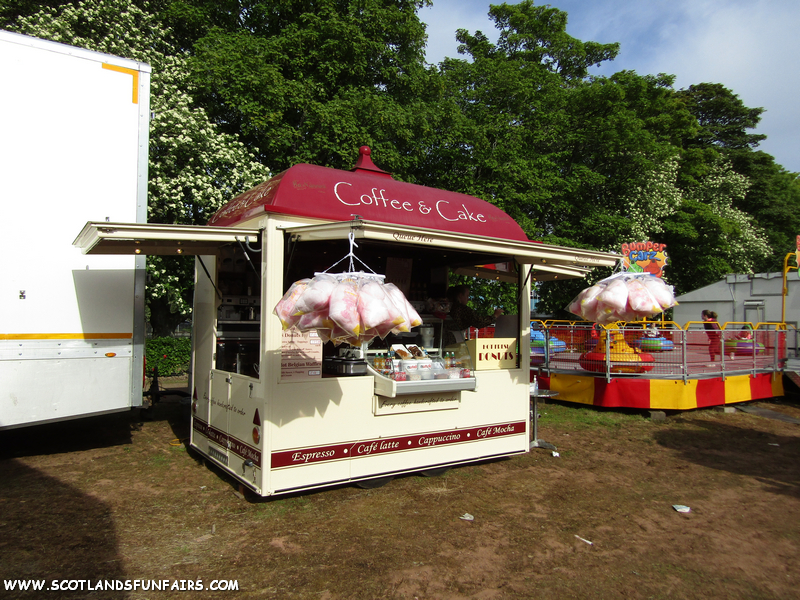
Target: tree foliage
(767, 215)
(311, 81)
(722, 118)
(773, 201)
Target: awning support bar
(258, 275)
(524, 283)
(202, 264)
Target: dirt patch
(116, 498)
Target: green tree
(311, 81)
(12, 10)
(722, 117)
(773, 201)
(622, 151)
(576, 160)
(193, 166)
(514, 99)
(596, 161)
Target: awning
(369, 193)
(157, 238)
(549, 262)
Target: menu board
(301, 356)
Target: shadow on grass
(69, 436)
(769, 458)
(50, 531)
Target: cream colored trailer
(264, 407)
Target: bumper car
(653, 344)
(622, 357)
(538, 346)
(743, 347)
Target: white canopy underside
(547, 261)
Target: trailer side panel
(74, 146)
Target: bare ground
(115, 498)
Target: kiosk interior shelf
(238, 325)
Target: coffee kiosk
(284, 410)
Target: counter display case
(422, 365)
(386, 386)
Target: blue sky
(752, 47)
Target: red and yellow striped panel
(664, 394)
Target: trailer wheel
(438, 472)
(376, 482)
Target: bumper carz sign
(644, 257)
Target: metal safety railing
(661, 349)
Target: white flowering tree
(651, 199)
(708, 236)
(193, 168)
(773, 194)
(720, 190)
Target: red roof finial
(364, 163)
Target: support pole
(786, 269)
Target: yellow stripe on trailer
(66, 336)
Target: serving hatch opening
(478, 254)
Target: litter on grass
(681, 508)
(467, 517)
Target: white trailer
(283, 412)
(74, 143)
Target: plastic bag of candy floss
(661, 291)
(285, 308)
(317, 294)
(343, 307)
(584, 305)
(640, 300)
(376, 308)
(612, 301)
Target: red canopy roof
(330, 194)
